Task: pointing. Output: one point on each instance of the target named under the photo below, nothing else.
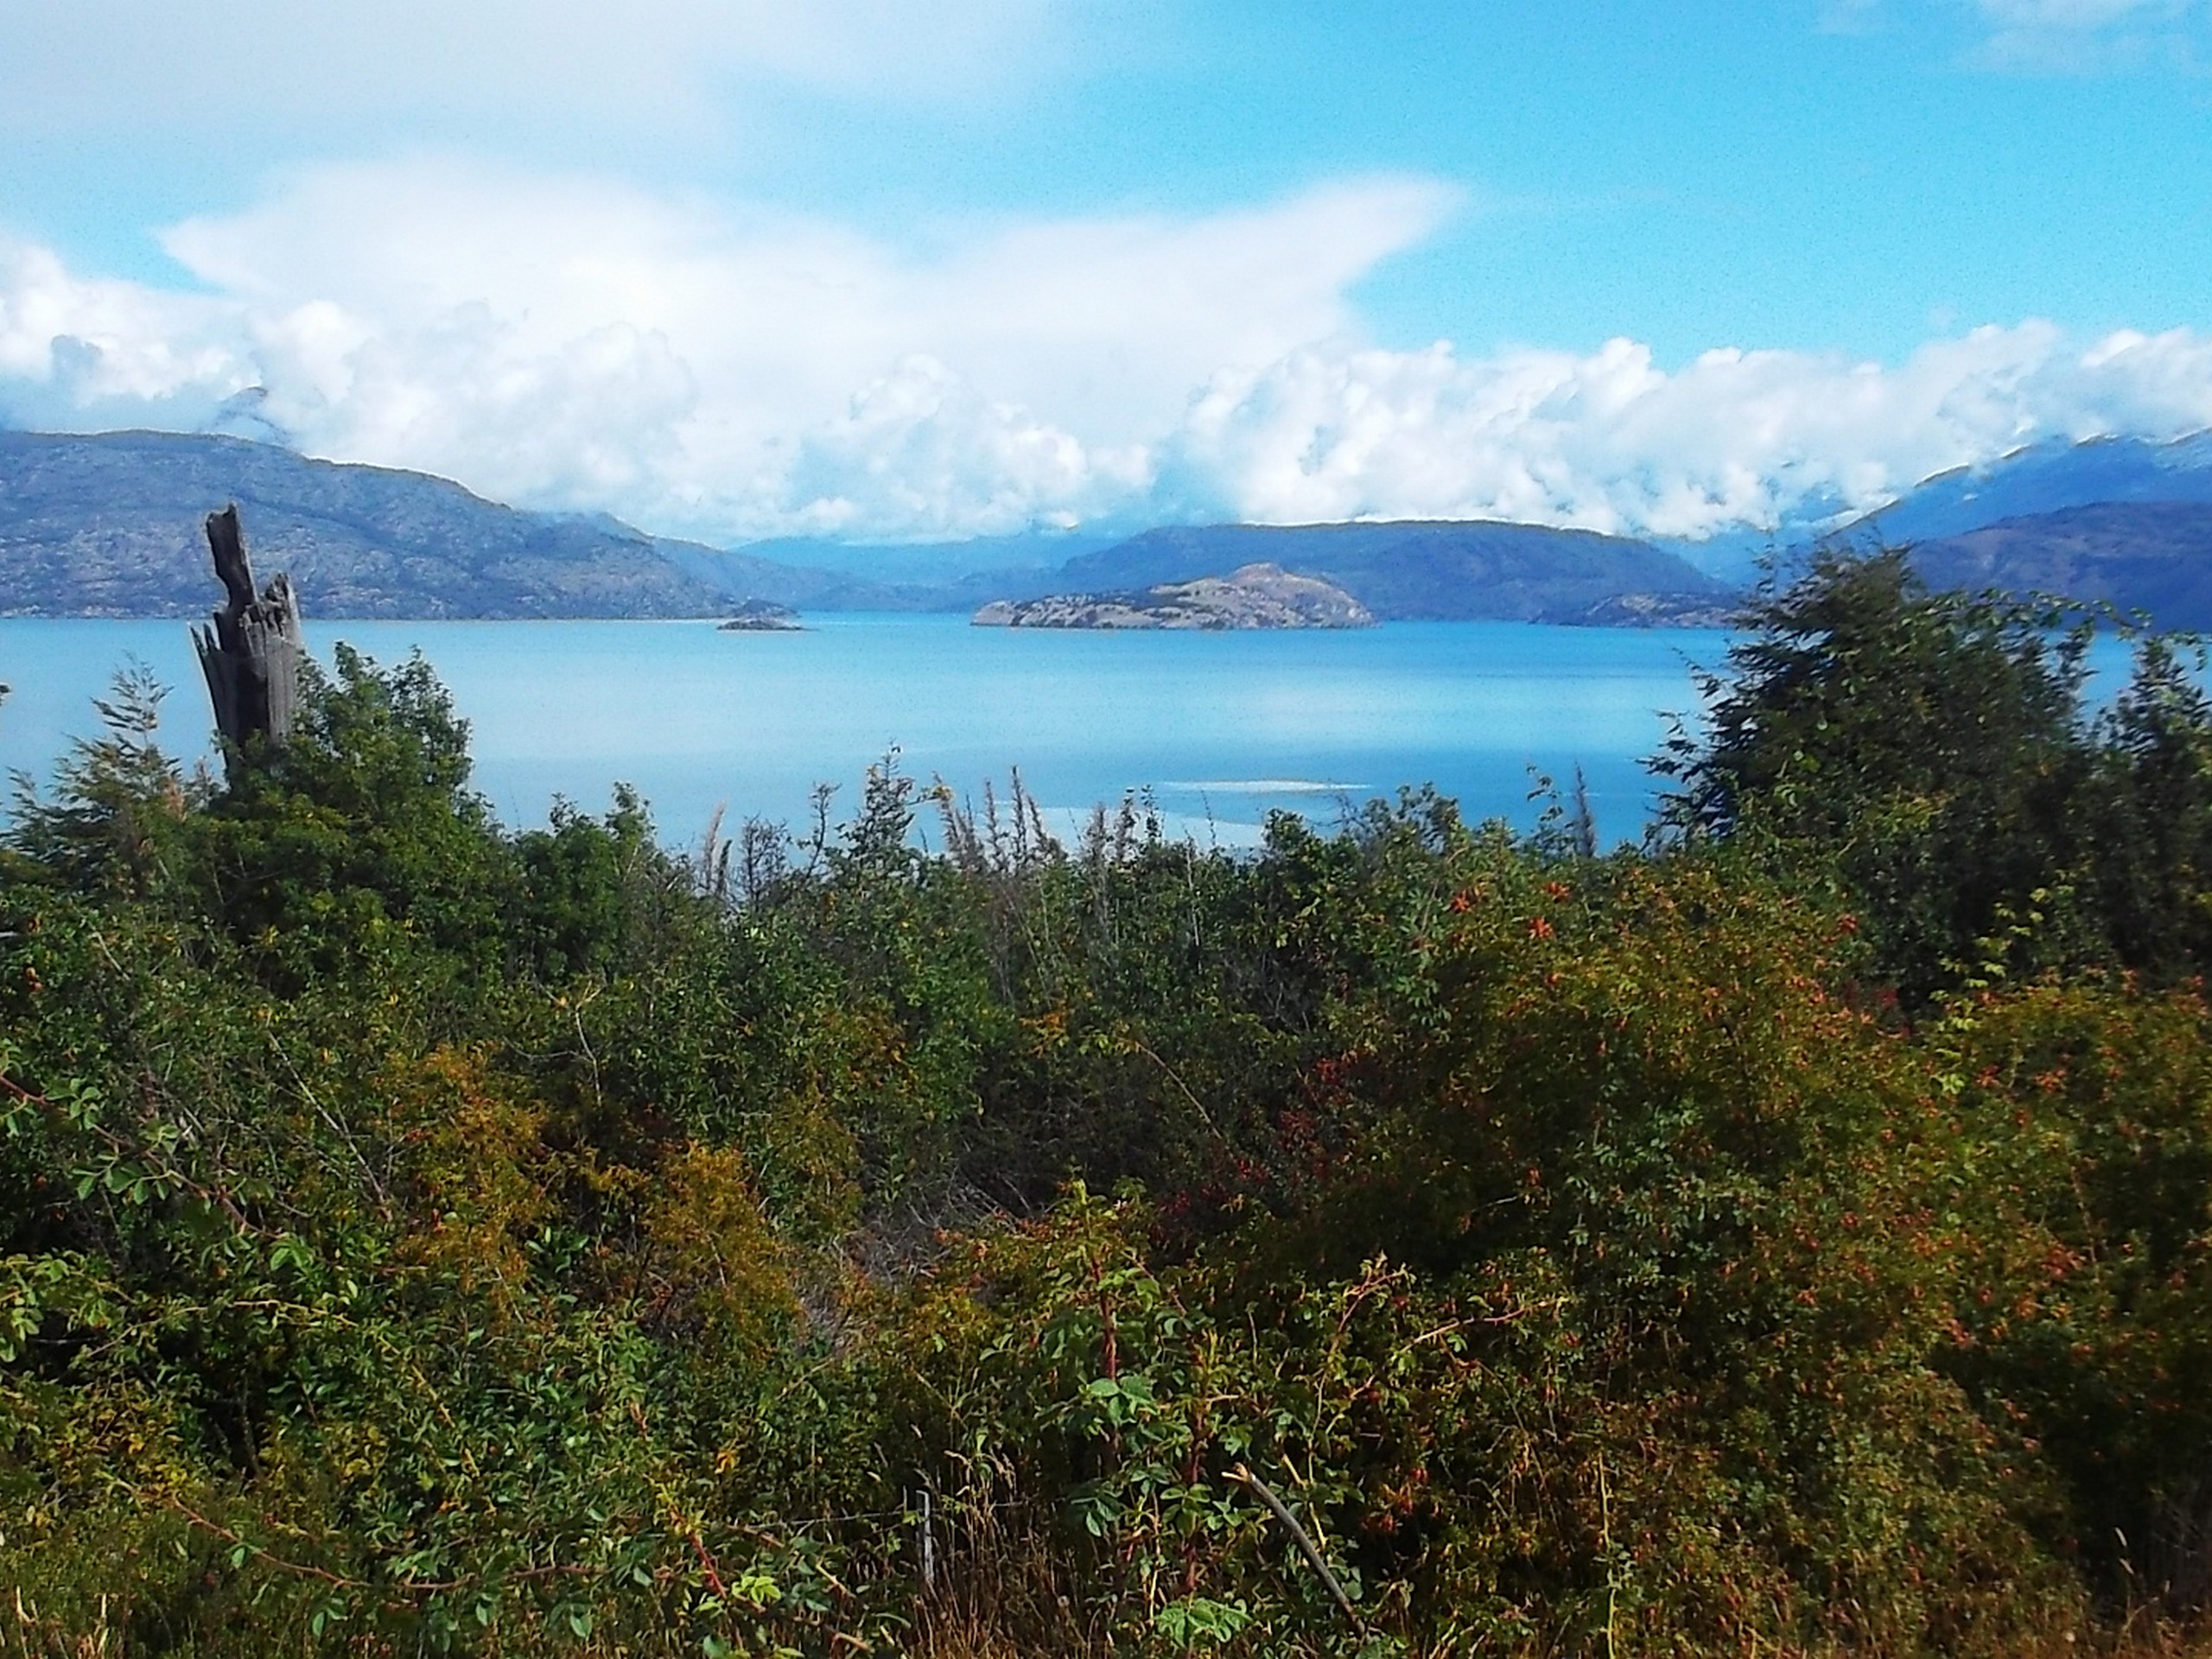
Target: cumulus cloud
(921, 449)
(1609, 441)
(732, 373)
(1127, 312)
(77, 350)
(576, 343)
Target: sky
(920, 269)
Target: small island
(1253, 596)
(763, 616)
(1650, 611)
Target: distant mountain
(932, 564)
(2050, 476)
(901, 575)
(2044, 478)
(2125, 521)
(1413, 570)
(108, 525)
(2152, 557)
(737, 574)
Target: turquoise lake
(1221, 727)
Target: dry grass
(1001, 1592)
(26, 1634)
(963, 1625)
(1001, 1595)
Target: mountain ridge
(2118, 521)
(2055, 476)
(1411, 569)
(108, 525)
(2154, 557)
(2049, 475)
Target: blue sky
(902, 269)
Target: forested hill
(108, 525)
(2151, 556)
(1415, 569)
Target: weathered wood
(252, 655)
(1303, 1539)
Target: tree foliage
(419, 1236)
(1940, 756)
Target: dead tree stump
(251, 656)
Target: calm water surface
(1221, 727)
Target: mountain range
(2051, 476)
(1413, 570)
(2122, 521)
(2151, 556)
(109, 524)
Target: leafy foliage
(1936, 755)
(418, 1235)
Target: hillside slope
(2152, 557)
(2044, 478)
(108, 525)
(2051, 475)
(1412, 570)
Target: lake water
(1221, 727)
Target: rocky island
(1252, 597)
(763, 616)
(1701, 610)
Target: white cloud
(922, 450)
(240, 64)
(1610, 441)
(581, 343)
(2040, 37)
(1127, 312)
(74, 349)
(2086, 36)
(2075, 14)
(1848, 17)
(727, 374)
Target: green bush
(417, 1236)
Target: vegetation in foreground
(417, 1236)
